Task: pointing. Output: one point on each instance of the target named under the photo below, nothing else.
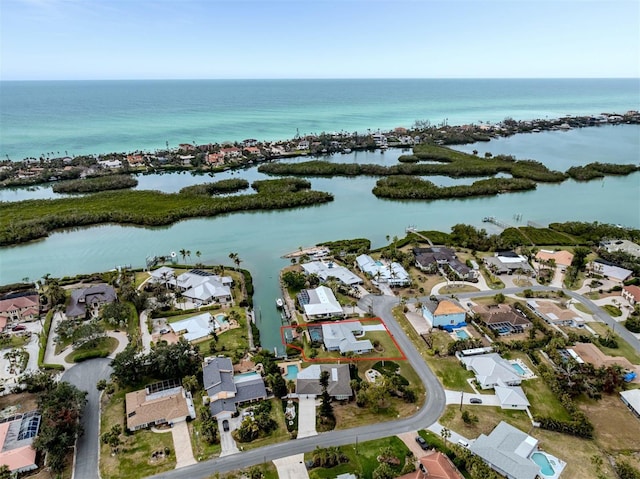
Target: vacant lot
(616, 427)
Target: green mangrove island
(24, 221)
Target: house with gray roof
(308, 381)
(320, 303)
(491, 370)
(512, 397)
(225, 391)
(435, 257)
(86, 302)
(328, 269)
(341, 336)
(510, 452)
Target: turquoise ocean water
(85, 117)
(94, 117)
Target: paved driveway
(227, 444)
(291, 467)
(409, 439)
(182, 444)
(453, 397)
(307, 416)
(84, 376)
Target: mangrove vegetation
(32, 219)
(95, 184)
(231, 185)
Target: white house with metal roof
(341, 336)
(383, 272)
(320, 303)
(491, 370)
(325, 270)
(632, 399)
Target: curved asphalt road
(427, 415)
(84, 376)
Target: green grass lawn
(362, 458)
(612, 311)
(278, 435)
(451, 373)
(624, 349)
(134, 458)
(13, 341)
(100, 348)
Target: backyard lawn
(134, 458)
(624, 349)
(362, 458)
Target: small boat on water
(279, 302)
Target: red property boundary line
(402, 356)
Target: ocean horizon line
(70, 80)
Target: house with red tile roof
(215, 158)
(17, 309)
(632, 294)
(252, 150)
(434, 465)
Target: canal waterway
(261, 238)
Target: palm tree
(446, 434)
(183, 253)
(188, 253)
(198, 254)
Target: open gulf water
(96, 117)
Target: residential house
(431, 259)
(225, 392)
(444, 313)
(512, 397)
(328, 269)
(231, 153)
(341, 336)
(15, 308)
(631, 293)
(320, 303)
(135, 160)
(195, 327)
(554, 314)
(434, 465)
(590, 353)
(86, 302)
(625, 246)
(163, 275)
(110, 164)
(215, 158)
(339, 387)
(609, 270)
(509, 452)
(17, 434)
(508, 262)
(252, 151)
(502, 318)
(160, 403)
(204, 288)
(392, 274)
(561, 258)
(491, 370)
(632, 399)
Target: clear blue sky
(144, 39)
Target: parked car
(463, 443)
(225, 425)
(19, 327)
(164, 331)
(422, 442)
(475, 401)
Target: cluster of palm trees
(186, 253)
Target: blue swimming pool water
(518, 369)
(542, 461)
(379, 263)
(462, 334)
(292, 372)
(222, 319)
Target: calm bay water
(263, 110)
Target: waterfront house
(631, 293)
(215, 158)
(626, 246)
(86, 302)
(204, 288)
(17, 434)
(320, 303)
(195, 327)
(508, 262)
(328, 269)
(231, 153)
(15, 308)
(339, 387)
(508, 451)
(341, 336)
(225, 392)
(436, 257)
(446, 312)
(381, 271)
(165, 402)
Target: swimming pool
(222, 319)
(292, 372)
(379, 263)
(462, 334)
(542, 461)
(518, 369)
